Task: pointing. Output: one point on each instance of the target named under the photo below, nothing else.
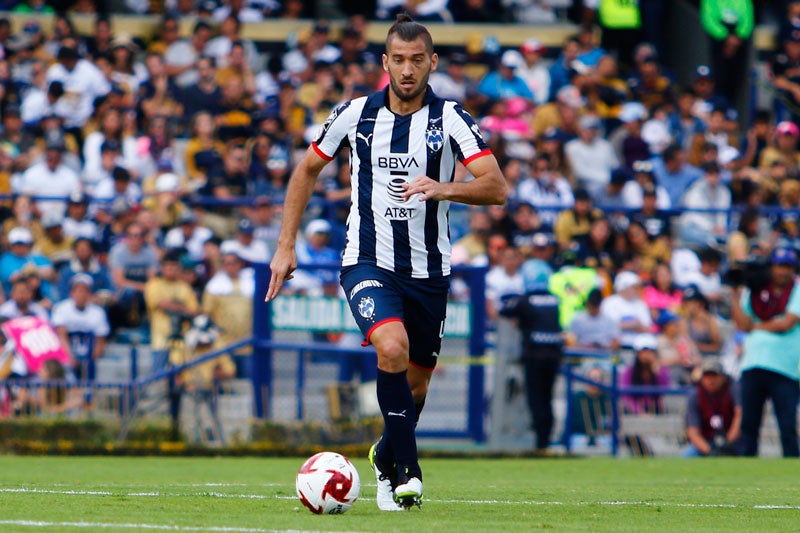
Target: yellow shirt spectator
(228, 300)
(168, 298)
(576, 222)
(53, 244)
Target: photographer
(769, 315)
(713, 413)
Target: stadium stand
(129, 136)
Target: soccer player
(404, 142)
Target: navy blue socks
(418, 406)
(399, 418)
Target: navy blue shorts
(377, 296)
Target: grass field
(463, 495)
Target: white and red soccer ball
(328, 483)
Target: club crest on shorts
(366, 307)
(434, 138)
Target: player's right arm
(331, 137)
(298, 194)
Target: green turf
(230, 494)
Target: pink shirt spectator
(658, 300)
(648, 403)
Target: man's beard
(398, 90)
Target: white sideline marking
(37, 523)
(793, 507)
(112, 485)
(218, 484)
(63, 492)
(621, 503)
(23, 490)
(165, 527)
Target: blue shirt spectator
(589, 54)
(315, 250)
(674, 174)
(84, 262)
(503, 82)
(683, 125)
(12, 263)
(562, 71)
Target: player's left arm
(488, 187)
(469, 147)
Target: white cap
(20, 235)
(540, 240)
(231, 247)
(532, 45)
(632, 111)
(645, 341)
(512, 59)
(168, 182)
(82, 279)
(570, 96)
(52, 220)
(657, 136)
(589, 122)
(727, 155)
(318, 225)
(625, 280)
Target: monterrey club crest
(434, 138)
(366, 307)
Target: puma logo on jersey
(392, 413)
(366, 138)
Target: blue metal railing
(264, 344)
(574, 357)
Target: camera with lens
(719, 444)
(753, 273)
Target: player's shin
(399, 417)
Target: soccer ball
(328, 483)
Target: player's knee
(392, 355)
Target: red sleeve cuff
(320, 153)
(473, 157)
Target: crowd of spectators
(151, 169)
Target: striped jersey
(387, 150)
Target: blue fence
(264, 344)
(573, 359)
